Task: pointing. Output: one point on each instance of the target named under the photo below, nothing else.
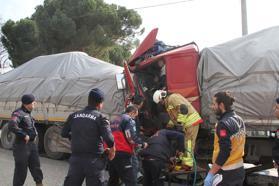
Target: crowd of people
(98, 144)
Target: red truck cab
(173, 69)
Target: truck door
(181, 73)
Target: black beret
(97, 95)
(277, 100)
(27, 99)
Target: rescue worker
(125, 136)
(275, 149)
(229, 142)
(25, 150)
(87, 129)
(181, 112)
(157, 155)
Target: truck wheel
(7, 137)
(50, 140)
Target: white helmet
(159, 95)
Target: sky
(207, 22)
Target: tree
(3, 53)
(21, 40)
(102, 30)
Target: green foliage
(20, 39)
(104, 31)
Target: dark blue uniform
(158, 153)
(25, 154)
(87, 129)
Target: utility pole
(244, 17)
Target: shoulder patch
(223, 133)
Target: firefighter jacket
(173, 103)
(125, 134)
(87, 129)
(22, 124)
(229, 141)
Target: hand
(145, 145)
(26, 138)
(111, 153)
(179, 154)
(209, 179)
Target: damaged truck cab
(195, 75)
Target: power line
(163, 4)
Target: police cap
(27, 99)
(97, 95)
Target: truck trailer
(60, 83)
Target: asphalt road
(54, 170)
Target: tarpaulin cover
(64, 79)
(249, 68)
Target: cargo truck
(247, 67)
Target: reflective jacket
(229, 141)
(172, 104)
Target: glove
(209, 179)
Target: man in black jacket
(25, 150)
(158, 154)
(88, 130)
(275, 150)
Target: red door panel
(181, 74)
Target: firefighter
(181, 112)
(87, 129)
(25, 151)
(275, 149)
(229, 142)
(158, 153)
(126, 138)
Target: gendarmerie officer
(88, 130)
(25, 150)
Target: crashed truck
(60, 83)
(247, 67)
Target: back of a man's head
(95, 97)
(226, 98)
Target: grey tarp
(249, 68)
(64, 79)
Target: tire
(49, 138)
(7, 138)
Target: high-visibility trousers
(190, 142)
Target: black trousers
(232, 177)
(121, 168)
(152, 170)
(26, 156)
(89, 168)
